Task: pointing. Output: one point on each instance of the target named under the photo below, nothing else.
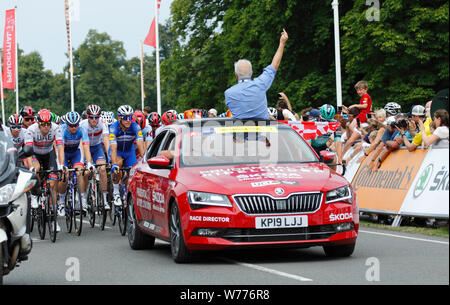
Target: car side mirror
(159, 162)
(326, 156)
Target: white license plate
(270, 222)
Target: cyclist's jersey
(72, 141)
(43, 145)
(321, 141)
(18, 142)
(95, 133)
(125, 139)
(147, 133)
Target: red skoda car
(223, 183)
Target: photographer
(401, 131)
(418, 117)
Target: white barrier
(429, 193)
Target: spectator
(365, 103)
(428, 109)
(247, 99)
(380, 117)
(283, 96)
(417, 115)
(287, 114)
(441, 120)
(352, 131)
(212, 113)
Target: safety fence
(407, 183)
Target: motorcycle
(15, 240)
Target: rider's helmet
(168, 117)
(188, 114)
(204, 113)
(223, 115)
(272, 111)
(84, 115)
(73, 118)
(44, 116)
(27, 111)
(197, 113)
(55, 118)
(174, 111)
(154, 119)
(125, 110)
(93, 110)
(229, 114)
(180, 116)
(327, 112)
(139, 118)
(392, 108)
(15, 119)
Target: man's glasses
(72, 126)
(44, 124)
(16, 127)
(127, 117)
(94, 117)
(29, 119)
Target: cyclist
(122, 135)
(42, 136)
(167, 118)
(154, 120)
(98, 133)
(330, 141)
(140, 119)
(73, 134)
(27, 114)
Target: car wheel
(180, 252)
(339, 251)
(137, 239)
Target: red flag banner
(150, 40)
(311, 130)
(9, 51)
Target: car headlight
(200, 199)
(342, 194)
(6, 193)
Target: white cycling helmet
(180, 116)
(393, 108)
(272, 111)
(125, 110)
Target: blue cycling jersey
(124, 139)
(72, 141)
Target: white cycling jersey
(18, 142)
(43, 145)
(96, 133)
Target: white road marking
(271, 271)
(406, 237)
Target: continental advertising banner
(384, 189)
(428, 195)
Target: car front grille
(265, 204)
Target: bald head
(243, 69)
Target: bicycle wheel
(92, 204)
(68, 204)
(52, 215)
(123, 216)
(41, 219)
(77, 210)
(101, 212)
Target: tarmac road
(104, 257)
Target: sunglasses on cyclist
(73, 126)
(127, 117)
(43, 124)
(29, 119)
(94, 117)
(16, 127)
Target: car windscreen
(236, 145)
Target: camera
(400, 124)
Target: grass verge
(440, 232)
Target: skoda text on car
(223, 183)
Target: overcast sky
(41, 25)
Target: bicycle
(96, 205)
(72, 204)
(120, 212)
(46, 213)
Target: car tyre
(339, 251)
(137, 239)
(180, 253)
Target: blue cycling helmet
(327, 112)
(73, 118)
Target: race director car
(223, 183)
